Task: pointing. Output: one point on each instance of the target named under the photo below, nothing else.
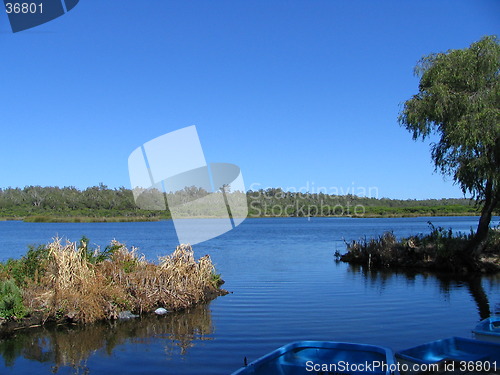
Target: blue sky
(297, 93)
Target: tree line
(102, 201)
(277, 202)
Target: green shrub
(31, 266)
(11, 300)
(34, 263)
(217, 280)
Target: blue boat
(454, 348)
(488, 329)
(323, 357)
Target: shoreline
(37, 319)
(128, 219)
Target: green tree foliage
(50, 201)
(101, 202)
(459, 101)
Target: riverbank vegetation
(275, 202)
(440, 250)
(103, 204)
(72, 282)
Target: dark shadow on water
(474, 283)
(70, 346)
(477, 292)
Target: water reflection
(64, 346)
(382, 277)
(477, 292)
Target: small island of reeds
(67, 282)
(440, 250)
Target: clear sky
(297, 93)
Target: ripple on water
(285, 286)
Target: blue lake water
(285, 286)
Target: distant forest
(100, 203)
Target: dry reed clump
(76, 288)
(177, 282)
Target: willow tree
(459, 102)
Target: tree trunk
(490, 203)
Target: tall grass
(74, 287)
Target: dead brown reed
(74, 288)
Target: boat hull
(488, 329)
(454, 349)
(323, 357)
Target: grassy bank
(87, 219)
(440, 250)
(384, 212)
(71, 282)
